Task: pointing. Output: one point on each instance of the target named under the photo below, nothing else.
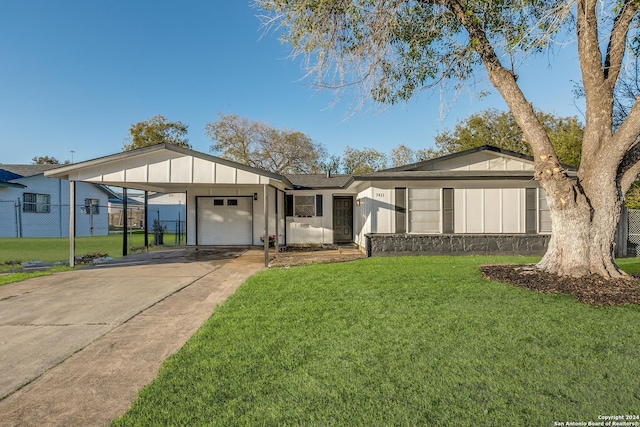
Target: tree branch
(617, 41)
(627, 133)
(504, 80)
(629, 168)
(588, 47)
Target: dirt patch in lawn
(593, 290)
(304, 255)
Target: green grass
(19, 276)
(57, 249)
(14, 251)
(398, 341)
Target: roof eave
(12, 185)
(64, 171)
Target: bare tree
(259, 145)
(391, 49)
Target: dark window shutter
(401, 210)
(447, 211)
(531, 206)
(318, 204)
(288, 204)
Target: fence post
(622, 234)
(72, 223)
(146, 220)
(125, 222)
(19, 218)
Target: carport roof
(166, 168)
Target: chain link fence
(161, 230)
(37, 219)
(633, 232)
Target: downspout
(60, 207)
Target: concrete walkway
(76, 347)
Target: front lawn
(398, 341)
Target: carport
(228, 203)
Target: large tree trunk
(583, 227)
(584, 212)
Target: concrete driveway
(76, 347)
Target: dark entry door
(343, 219)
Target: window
(304, 206)
(424, 210)
(37, 203)
(91, 206)
(218, 202)
(232, 202)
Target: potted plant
(272, 240)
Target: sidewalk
(101, 376)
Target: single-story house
(32, 205)
(481, 200)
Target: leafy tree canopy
(157, 130)
(402, 155)
(366, 160)
(45, 160)
(499, 129)
(259, 145)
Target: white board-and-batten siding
(481, 161)
(155, 169)
(482, 207)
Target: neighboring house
(166, 208)
(135, 210)
(481, 200)
(32, 205)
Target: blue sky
(74, 75)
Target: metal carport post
(72, 223)
(266, 224)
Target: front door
(343, 219)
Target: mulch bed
(593, 290)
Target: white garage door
(225, 220)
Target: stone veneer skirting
(456, 244)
